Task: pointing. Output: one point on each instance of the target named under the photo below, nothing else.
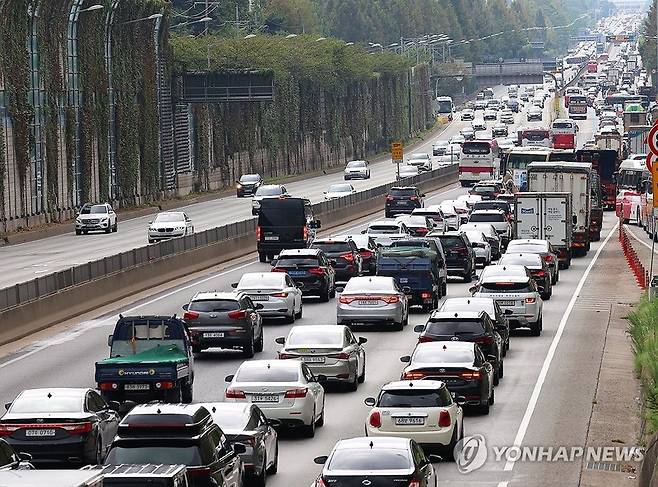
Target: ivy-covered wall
(332, 102)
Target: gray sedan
(276, 292)
(373, 299)
(329, 350)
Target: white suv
(498, 219)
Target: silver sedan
(275, 291)
(373, 299)
(329, 350)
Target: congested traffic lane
(23, 262)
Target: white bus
(479, 161)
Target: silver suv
(498, 219)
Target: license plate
(39, 433)
(404, 280)
(265, 398)
(371, 302)
(271, 237)
(506, 303)
(213, 335)
(296, 273)
(313, 360)
(136, 387)
(407, 421)
(260, 298)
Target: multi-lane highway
(26, 261)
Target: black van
(284, 223)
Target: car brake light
(540, 273)
(486, 340)
(530, 300)
(279, 295)
(190, 315)
(239, 314)
(470, 375)
(318, 271)
(445, 421)
(296, 393)
(76, 428)
(375, 419)
(345, 299)
(413, 198)
(234, 393)
(366, 254)
(320, 483)
(8, 429)
(425, 295)
(339, 356)
(413, 375)
(414, 483)
(548, 258)
(425, 339)
(284, 355)
(279, 269)
(347, 256)
(391, 299)
(461, 251)
(108, 386)
(258, 233)
(422, 230)
(305, 233)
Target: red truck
(606, 163)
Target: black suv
(148, 475)
(459, 254)
(311, 271)
(466, 326)
(344, 254)
(402, 199)
(170, 434)
(248, 184)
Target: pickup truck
(150, 359)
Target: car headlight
(239, 186)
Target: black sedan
(377, 461)
(71, 426)
(460, 365)
(246, 424)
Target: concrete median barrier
(37, 304)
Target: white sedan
(338, 191)
(285, 390)
(422, 410)
(275, 291)
(169, 224)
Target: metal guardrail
(50, 284)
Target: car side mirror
(332, 262)
(151, 222)
(229, 378)
(419, 328)
(460, 400)
(274, 423)
(406, 290)
(321, 460)
(7, 406)
(273, 263)
(280, 340)
(234, 285)
(362, 340)
(109, 340)
(370, 401)
(472, 289)
(321, 379)
(508, 311)
(259, 306)
(574, 219)
(186, 307)
(491, 358)
(363, 232)
(239, 448)
(340, 289)
(405, 359)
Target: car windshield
(452, 243)
(214, 305)
(31, 402)
(369, 459)
(384, 229)
(368, 285)
(93, 209)
(268, 191)
(339, 188)
(506, 287)
(355, 164)
(492, 205)
(413, 398)
(332, 247)
(402, 192)
(487, 217)
(418, 155)
(169, 217)
(454, 327)
(267, 374)
(447, 355)
(308, 336)
(562, 125)
(131, 338)
(250, 178)
(260, 281)
(297, 261)
(476, 148)
(159, 455)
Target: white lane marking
(640, 240)
(534, 398)
(86, 326)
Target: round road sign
(651, 139)
(650, 160)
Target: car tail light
(339, 356)
(414, 483)
(486, 340)
(239, 314)
(296, 393)
(425, 339)
(375, 419)
(461, 251)
(108, 386)
(320, 483)
(422, 230)
(425, 295)
(76, 428)
(305, 233)
(284, 355)
(413, 375)
(258, 233)
(346, 299)
(234, 393)
(317, 271)
(391, 299)
(9, 429)
(530, 300)
(198, 471)
(445, 421)
(539, 273)
(366, 254)
(279, 269)
(190, 315)
(164, 385)
(279, 295)
(475, 375)
(548, 258)
(347, 256)
(413, 198)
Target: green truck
(150, 359)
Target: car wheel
(444, 289)
(468, 277)
(196, 350)
(362, 377)
(536, 327)
(108, 229)
(449, 449)
(262, 257)
(78, 232)
(275, 465)
(496, 378)
(86, 232)
(187, 392)
(501, 371)
(557, 276)
(309, 430)
(258, 347)
(398, 325)
(248, 348)
(484, 408)
(260, 480)
(387, 214)
(354, 385)
(151, 240)
(492, 398)
(325, 296)
(332, 294)
(290, 319)
(320, 422)
(115, 228)
(298, 315)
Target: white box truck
(567, 177)
(545, 216)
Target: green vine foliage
(331, 101)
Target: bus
(515, 164)
(480, 160)
(534, 137)
(632, 175)
(569, 92)
(578, 107)
(563, 133)
(444, 106)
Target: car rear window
(297, 261)
(330, 247)
(511, 287)
(27, 404)
(308, 336)
(528, 260)
(267, 374)
(487, 217)
(492, 205)
(402, 192)
(231, 418)
(159, 455)
(484, 189)
(370, 459)
(214, 305)
(414, 398)
(282, 213)
(268, 191)
(369, 286)
(454, 327)
(384, 229)
(446, 355)
(450, 242)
